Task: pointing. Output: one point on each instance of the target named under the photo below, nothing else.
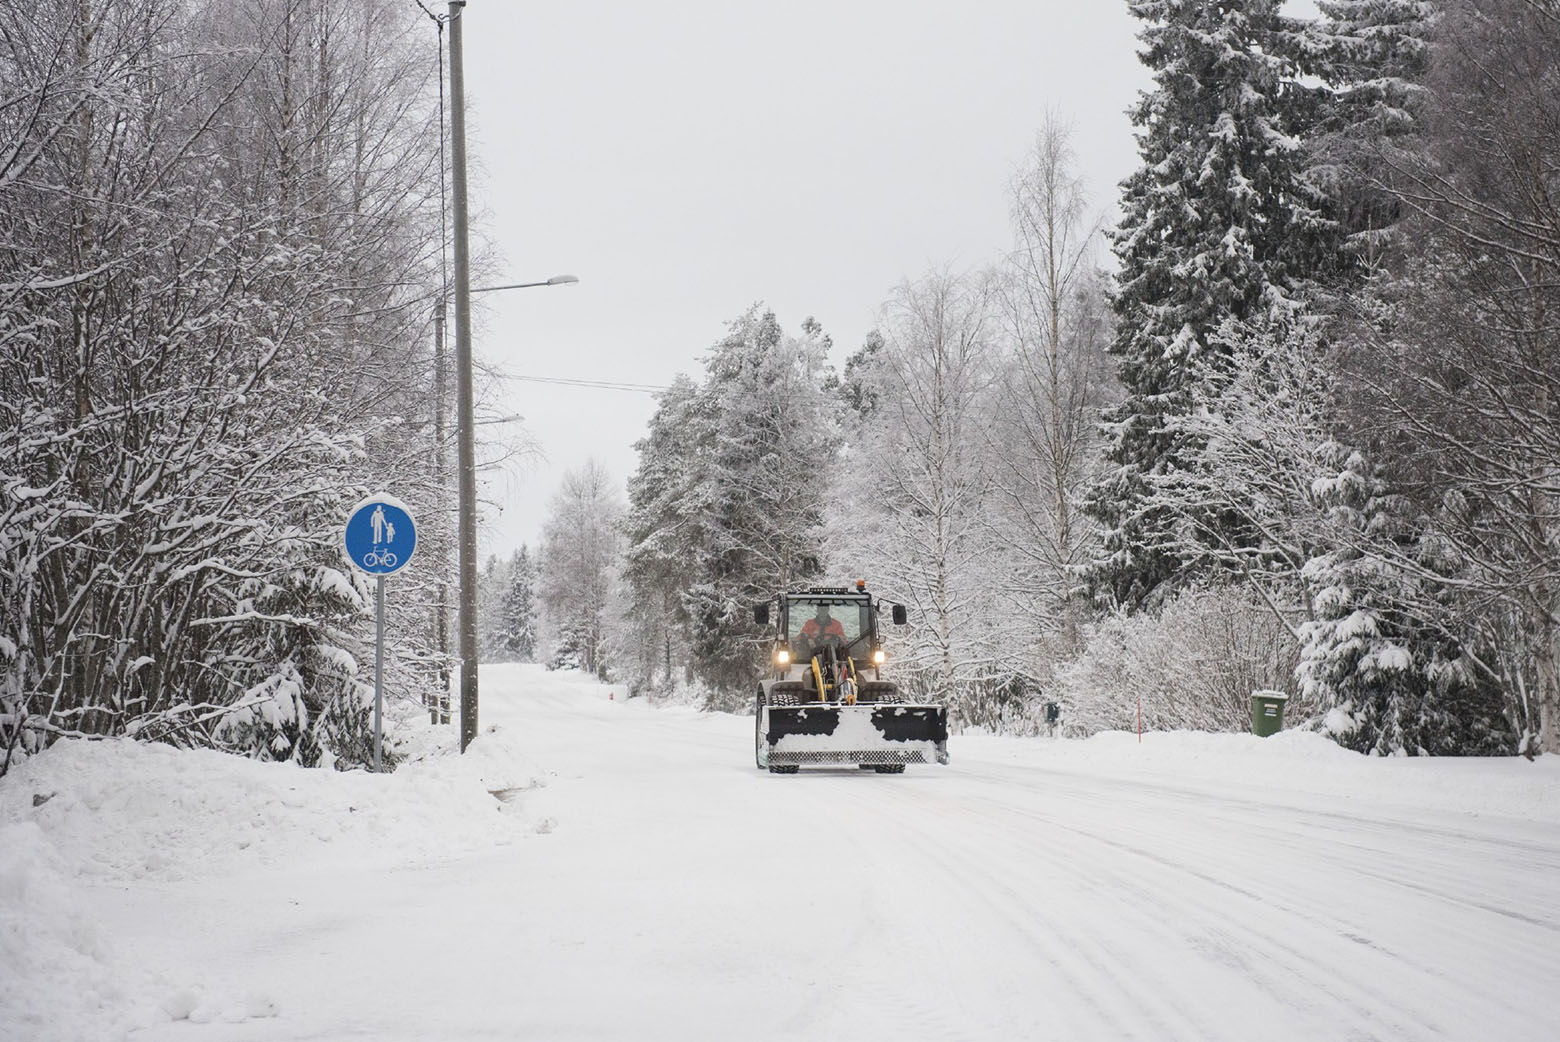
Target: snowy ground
(640, 880)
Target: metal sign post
(380, 538)
(379, 665)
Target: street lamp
(556, 280)
(466, 453)
(466, 423)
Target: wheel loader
(825, 702)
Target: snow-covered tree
(1372, 56)
(1057, 377)
(1219, 223)
(664, 528)
(727, 504)
(1383, 653)
(1451, 357)
(517, 638)
(579, 556)
(211, 243)
(909, 513)
(1262, 419)
(767, 470)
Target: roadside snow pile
(121, 810)
(1299, 761)
(116, 812)
(46, 939)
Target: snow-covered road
(657, 886)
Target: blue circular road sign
(380, 536)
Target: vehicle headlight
(878, 658)
(782, 656)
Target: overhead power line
(605, 385)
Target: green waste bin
(1267, 712)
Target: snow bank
(1297, 761)
(121, 812)
(47, 945)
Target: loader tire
(889, 768)
(784, 768)
(878, 691)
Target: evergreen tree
(766, 471)
(726, 506)
(1219, 223)
(1383, 651)
(1372, 54)
(854, 386)
(518, 639)
(664, 527)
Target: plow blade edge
(820, 735)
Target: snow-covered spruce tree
(1452, 364)
(1372, 56)
(1219, 222)
(854, 385)
(1383, 652)
(726, 506)
(664, 527)
(579, 556)
(518, 611)
(765, 472)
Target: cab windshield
(814, 621)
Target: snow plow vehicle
(825, 702)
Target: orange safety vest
(811, 629)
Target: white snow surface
(635, 877)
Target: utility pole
(466, 461)
(439, 712)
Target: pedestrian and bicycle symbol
(380, 536)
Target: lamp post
(466, 422)
(466, 455)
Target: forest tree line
(219, 250)
(1297, 432)
(1301, 434)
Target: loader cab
(842, 616)
(815, 619)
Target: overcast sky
(688, 160)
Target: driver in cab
(822, 628)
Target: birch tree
(912, 518)
(1051, 299)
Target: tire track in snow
(992, 910)
(1147, 889)
(1513, 862)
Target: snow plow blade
(883, 736)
